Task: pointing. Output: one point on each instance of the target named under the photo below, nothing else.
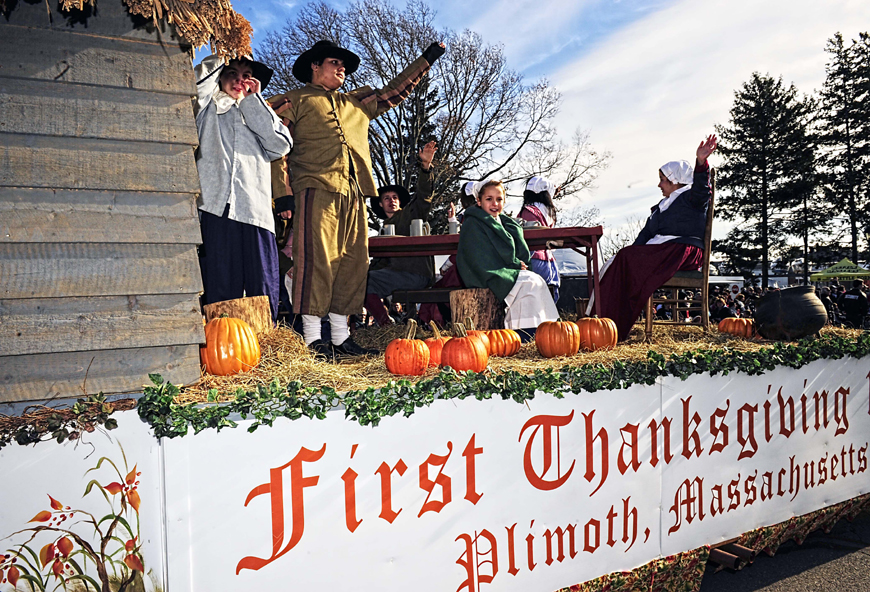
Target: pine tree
(845, 131)
(769, 155)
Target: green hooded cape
(490, 251)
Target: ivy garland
(168, 419)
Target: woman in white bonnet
(671, 241)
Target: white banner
(462, 496)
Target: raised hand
(426, 154)
(250, 86)
(451, 211)
(706, 148)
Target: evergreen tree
(845, 132)
(768, 156)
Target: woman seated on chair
(671, 241)
(493, 254)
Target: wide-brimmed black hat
(259, 70)
(320, 50)
(375, 200)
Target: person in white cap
(671, 241)
(538, 210)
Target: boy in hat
(402, 273)
(331, 168)
(238, 137)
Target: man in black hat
(331, 177)
(393, 205)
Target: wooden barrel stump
(254, 310)
(479, 304)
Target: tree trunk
(481, 305)
(254, 310)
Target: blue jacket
(686, 218)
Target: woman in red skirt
(671, 241)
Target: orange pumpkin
(472, 332)
(464, 352)
(596, 333)
(739, 327)
(435, 345)
(557, 338)
(409, 356)
(230, 347)
(503, 342)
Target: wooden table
(583, 240)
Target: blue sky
(647, 78)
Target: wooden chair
(698, 280)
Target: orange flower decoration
(64, 546)
(130, 545)
(134, 563)
(131, 476)
(133, 498)
(55, 505)
(46, 554)
(114, 488)
(43, 516)
(12, 576)
(57, 567)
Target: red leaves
(46, 554)
(134, 563)
(43, 516)
(114, 488)
(131, 476)
(133, 498)
(55, 505)
(64, 546)
(130, 545)
(12, 576)
(57, 567)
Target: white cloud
(651, 91)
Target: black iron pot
(789, 314)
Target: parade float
(615, 469)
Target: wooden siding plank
(69, 216)
(36, 377)
(47, 54)
(34, 270)
(81, 163)
(76, 110)
(111, 18)
(52, 325)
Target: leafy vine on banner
(269, 402)
(64, 560)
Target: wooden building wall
(99, 278)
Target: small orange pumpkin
(408, 356)
(230, 347)
(435, 345)
(503, 342)
(472, 332)
(464, 352)
(596, 333)
(739, 327)
(557, 338)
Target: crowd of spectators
(846, 307)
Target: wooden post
(481, 305)
(254, 310)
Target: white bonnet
(475, 190)
(678, 171)
(540, 185)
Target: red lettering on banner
(716, 506)
(610, 516)
(688, 503)
(275, 488)
(862, 459)
(783, 419)
(349, 478)
(834, 462)
(626, 513)
(470, 485)
(631, 430)
(666, 441)
(719, 428)
(591, 548)
(512, 564)
(823, 469)
(734, 494)
(749, 489)
(794, 477)
(746, 435)
(590, 451)
(548, 423)
(559, 534)
(821, 403)
(386, 472)
(840, 417)
(766, 486)
(441, 480)
(804, 425)
(530, 548)
(851, 459)
(471, 561)
(768, 435)
(779, 490)
(810, 474)
(693, 436)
